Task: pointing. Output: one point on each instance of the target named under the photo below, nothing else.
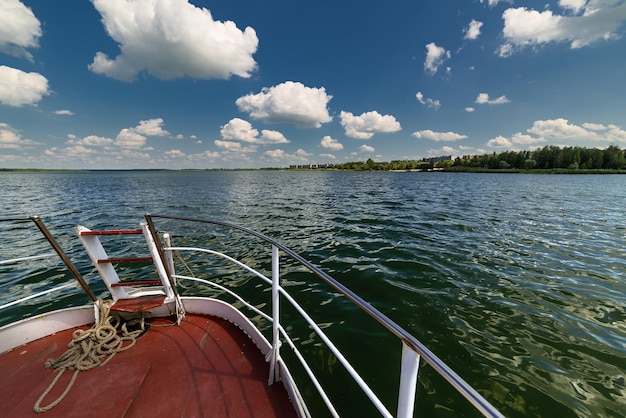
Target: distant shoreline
(436, 170)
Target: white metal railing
(58, 253)
(36, 295)
(277, 328)
(413, 351)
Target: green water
(518, 282)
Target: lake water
(518, 281)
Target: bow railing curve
(413, 351)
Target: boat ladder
(134, 295)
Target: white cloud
(302, 153)
(19, 29)
(574, 5)
(499, 142)
(469, 109)
(435, 56)
(438, 136)
(134, 138)
(368, 124)
(64, 112)
(272, 137)
(331, 143)
(600, 20)
(366, 148)
(428, 102)
(615, 134)
(127, 138)
(172, 39)
(289, 102)
(520, 138)
(483, 98)
(91, 141)
(18, 88)
(560, 129)
(492, 3)
(127, 154)
(594, 126)
(174, 153)
(239, 130)
(228, 145)
(473, 30)
(276, 154)
(151, 127)
(11, 139)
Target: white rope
(88, 349)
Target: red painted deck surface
(206, 367)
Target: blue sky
(120, 84)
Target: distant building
(437, 159)
(311, 166)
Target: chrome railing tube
(408, 382)
(275, 353)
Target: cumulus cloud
(368, 124)
(483, 98)
(492, 3)
(19, 29)
(559, 130)
(174, 153)
(331, 143)
(91, 141)
(11, 139)
(64, 112)
(499, 142)
(151, 127)
(239, 130)
(473, 30)
(594, 126)
(520, 138)
(228, 145)
(289, 102)
(366, 148)
(428, 102)
(272, 137)
(134, 138)
(18, 88)
(127, 138)
(583, 23)
(574, 5)
(469, 109)
(171, 39)
(302, 153)
(435, 56)
(438, 136)
(276, 154)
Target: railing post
(64, 257)
(408, 381)
(275, 351)
(169, 256)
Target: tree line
(547, 158)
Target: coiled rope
(90, 348)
